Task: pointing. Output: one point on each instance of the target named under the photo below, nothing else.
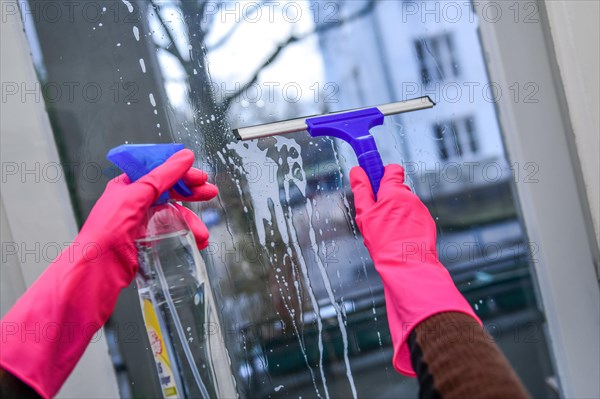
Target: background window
(456, 139)
(437, 58)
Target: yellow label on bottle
(159, 350)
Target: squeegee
(352, 126)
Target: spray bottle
(174, 290)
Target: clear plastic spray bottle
(175, 295)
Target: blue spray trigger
(353, 127)
(137, 160)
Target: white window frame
(554, 209)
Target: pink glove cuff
(45, 333)
(439, 296)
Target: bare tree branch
(202, 7)
(171, 47)
(202, 12)
(227, 101)
(187, 64)
(292, 39)
(225, 38)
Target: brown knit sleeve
(454, 357)
(13, 388)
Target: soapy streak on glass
(246, 151)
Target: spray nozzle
(137, 160)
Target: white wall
(36, 212)
(575, 32)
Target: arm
(436, 335)
(46, 332)
(455, 358)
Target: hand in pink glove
(400, 235)
(48, 329)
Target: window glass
(301, 306)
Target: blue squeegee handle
(371, 163)
(353, 127)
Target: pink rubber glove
(45, 333)
(400, 235)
